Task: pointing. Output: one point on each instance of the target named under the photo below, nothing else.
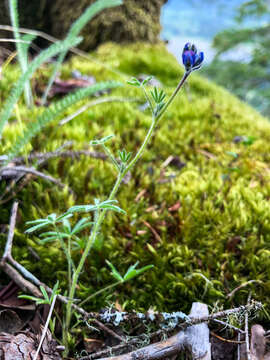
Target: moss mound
(212, 216)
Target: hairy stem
(114, 191)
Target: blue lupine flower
(191, 59)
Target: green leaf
(101, 141)
(52, 217)
(81, 225)
(44, 293)
(233, 154)
(66, 225)
(39, 221)
(82, 208)
(134, 82)
(132, 271)
(113, 208)
(54, 233)
(48, 239)
(36, 227)
(63, 217)
(28, 297)
(146, 81)
(249, 140)
(114, 272)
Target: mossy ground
(217, 239)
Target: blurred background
(234, 34)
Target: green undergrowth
(210, 220)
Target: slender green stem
(65, 249)
(111, 157)
(181, 83)
(117, 184)
(100, 292)
(69, 264)
(77, 272)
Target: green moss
(219, 236)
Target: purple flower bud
(191, 60)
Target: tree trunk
(135, 20)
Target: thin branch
(11, 171)
(54, 154)
(193, 321)
(226, 340)
(14, 41)
(109, 331)
(231, 294)
(117, 348)
(230, 326)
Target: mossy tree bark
(135, 20)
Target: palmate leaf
(106, 205)
(35, 64)
(55, 110)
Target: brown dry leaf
(140, 195)
(93, 345)
(63, 87)
(10, 322)
(154, 232)
(175, 207)
(23, 346)
(9, 298)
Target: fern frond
(22, 54)
(75, 29)
(53, 111)
(35, 64)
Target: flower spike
(191, 59)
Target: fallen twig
(231, 294)
(230, 326)
(195, 338)
(55, 154)
(11, 171)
